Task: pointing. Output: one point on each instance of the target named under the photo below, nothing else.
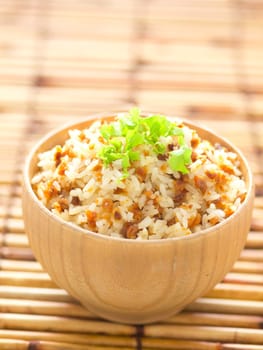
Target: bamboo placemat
(63, 59)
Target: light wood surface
(200, 60)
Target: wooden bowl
(126, 280)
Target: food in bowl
(140, 177)
(134, 280)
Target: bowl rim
(75, 228)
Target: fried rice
(152, 201)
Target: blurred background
(63, 59)
(195, 58)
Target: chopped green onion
(179, 158)
(129, 131)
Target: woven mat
(63, 59)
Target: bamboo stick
(257, 225)
(236, 291)
(182, 33)
(76, 338)
(18, 76)
(35, 293)
(15, 225)
(255, 239)
(10, 161)
(213, 56)
(252, 255)
(248, 267)
(205, 333)
(190, 345)
(215, 319)
(16, 211)
(24, 254)
(62, 324)
(244, 278)
(182, 11)
(80, 109)
(5, 189)
(10, 188)
(7, 173)
(82, 29)
(88, 79)
(91, 49)
(241, 347)
(196, 102)
(14, 98)
(231, 306)
(178, 80)
(27, 279)
(38, 307)
(258, 202)
(13, 240)
(14, 134)
(11, 344)
(2, 224)
(3, 214)
(20, 266)
(168, 343)
(257, 211)
(79, 99)
(7, 344)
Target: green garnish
(179, 158)
(129, 131)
